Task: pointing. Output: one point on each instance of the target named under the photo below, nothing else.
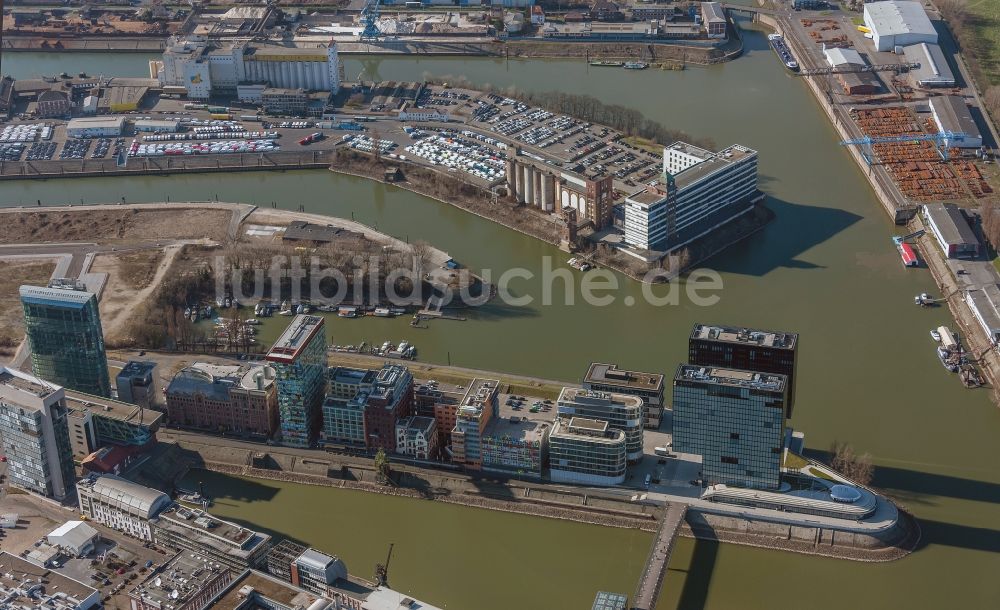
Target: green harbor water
(824, 268)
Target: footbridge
(647, 592)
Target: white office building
(898, 23)
(35, 433)
(700, 191)
(204, 67)
(121, 504)
(622, 412)
(586, 451)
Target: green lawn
(985, 23)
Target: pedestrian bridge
(648, 589)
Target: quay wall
(539, 499)
(899, 215)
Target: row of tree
(588, 108)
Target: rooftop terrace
(732, 378)
(298, 334)
(732, 334)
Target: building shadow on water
(698, 578)
(795, 229)
(221, 487)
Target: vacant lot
(12, 275)
(130, 279)
(985, 23)
(107, 225)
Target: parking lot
(116, 565)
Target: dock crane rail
(868, 141)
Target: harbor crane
(899, 239)
(942, 137)
(369, 20)
(382, 569)
(855, 68)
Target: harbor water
(825, 268)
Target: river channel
(824, 268)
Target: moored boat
(781, 48)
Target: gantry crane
(369, 20)
(868, 141)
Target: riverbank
(904, 212)
(598, 507)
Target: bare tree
(858, 468)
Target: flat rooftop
(14, 574)
(772, 382)
(181, 579)
(266, 586)
(59, 297)
(113, 409)
(745, 336)
(584, 396)
(949, 221)
(479, 392)
(591, 430)
(14, 382)
(201, 527)
(518, 428)
(610, 374)
(710, 163)
(298, 334)
(346, 374)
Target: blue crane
(369, 19)
(942, 137)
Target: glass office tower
(299, 361)
(735, 420)
(63, 325)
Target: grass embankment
(12, 276)
(984, 24)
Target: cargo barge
(778, 44)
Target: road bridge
(647, 592)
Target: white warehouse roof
(73, 534)
(895, 17)
(839, 57)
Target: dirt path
(114, 323)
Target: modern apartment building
(315, 571)
(121, 504)
(700, 191)
(735, 420)
(515, 446)
(237, 399)
(417, 437)
(137, 383)
(63, 325)
(478, 407)
(647, 386)
(35, 434)
(299, 361)
(621, 411)
(586, 451)
(389, 399)
(343, 416)
(216, 540)
(206, 68)
(345, 382)
(96, 422)
(746, 349)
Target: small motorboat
(935, 335)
